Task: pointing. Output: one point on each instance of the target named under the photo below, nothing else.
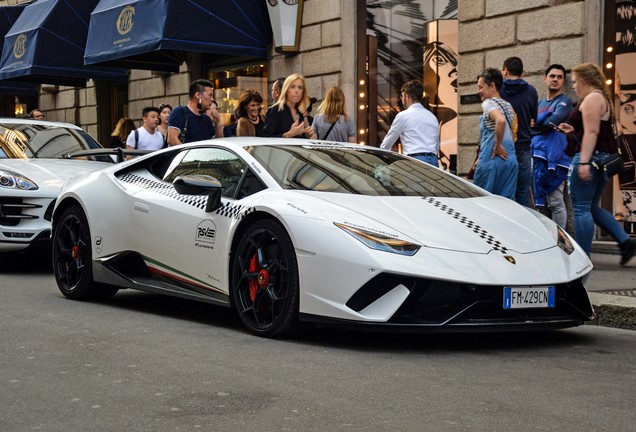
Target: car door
(178, 239)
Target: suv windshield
(26, 141)
(364, 171)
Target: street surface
(143, 362)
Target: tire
(72, 258)
(265, 287)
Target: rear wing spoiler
(118, 153)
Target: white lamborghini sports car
(292, 231)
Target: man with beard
(188, 123)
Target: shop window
(230, 83)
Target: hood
(473, 225)
(513, 87)
(51, 173)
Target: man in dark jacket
(524, 99)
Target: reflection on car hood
(51, 173)
(475, 225)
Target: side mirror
(200, 185)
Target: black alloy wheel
(265, 280)
(72, 258)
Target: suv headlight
(11, 180)
(380, 242)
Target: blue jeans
(586, 200)
(431, 160)
(524, 177)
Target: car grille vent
(48, 214)
(11, 211)
(376, 288)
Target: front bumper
(436, 305)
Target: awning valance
(8, 16)
(46, 45)
(157, 34)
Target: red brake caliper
(75, 252)
(262, 279)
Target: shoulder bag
(330, 128)
(613, 163)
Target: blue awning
(157, 34)
(8, 16)
(46, 45)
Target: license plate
(529, 297)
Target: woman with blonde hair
(119, 136)
(332, 123)
(286, 118)
(251, 121)
(591, 126)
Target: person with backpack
(147, 137)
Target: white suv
(34, 164)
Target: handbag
(611, 164)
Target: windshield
(27, 141)
(363, 170)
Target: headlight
(560, 236)
(12, 180)
(380, 242)
(564, 242)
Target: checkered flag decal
(495, 244)
(228, 210)
(234, 211)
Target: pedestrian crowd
(531, 150)
(540, 152)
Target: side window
(221, 164)
(250, 185)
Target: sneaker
(628, 248)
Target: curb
(605, 247)
(613, 311)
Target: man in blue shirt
(524, 99)
(189, 123)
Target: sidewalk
(612, 288)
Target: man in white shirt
(417, 127)
(147, 137)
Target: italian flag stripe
(172, 273)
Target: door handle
(142, 207)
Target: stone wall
(327, 50)
(146, 89)
(540, 32)
(12, 2)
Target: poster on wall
(626, 78)
(399, 30)
(440, 84)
